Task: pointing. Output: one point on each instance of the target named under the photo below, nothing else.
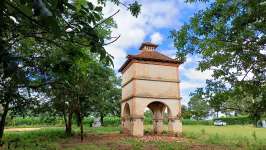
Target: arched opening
(126, 119)
(156, 118)
(126, 110)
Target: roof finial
(148, 46)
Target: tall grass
(44, 138)
(235, 135)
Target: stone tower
(150, 79)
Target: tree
(32, 29)
(230, 38)
(198, 107)
(186, 113)
(109, 96)
(235, 99)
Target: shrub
(111, 121)
(242, 120)
(196, 122)
(32, 121)
(88, 121)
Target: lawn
(194, 137)
(234, 135)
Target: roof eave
(124, 65)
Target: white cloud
(156, 38)
(118, 53)
(171, 53)
(191, 85)
(154, 16)
(194, 74)
(191, 79)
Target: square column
(126, 125)
(137, 128)
(157, 126)
(175, 126)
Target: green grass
(41, 139)
(235, 136)
(101, 130)
(246, 136)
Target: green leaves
(80, 3)
(25, 9)
(198, 107)
(228, 36)
(134, 8)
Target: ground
(194, 137)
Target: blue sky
(156, 20)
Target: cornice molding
(149, 97)
(150, 79)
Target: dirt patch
(99, 139)
(164, 138)
(113, 141)
(150, 147)
(21, 129)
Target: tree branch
(116, 38)
(101, 22)
(22, 13)
(247, 72)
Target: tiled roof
(149, 56)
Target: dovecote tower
(150, 79)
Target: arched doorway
(160, 114)
(126, 119)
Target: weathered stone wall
(156, 72)
(158, 89)
(128, 74)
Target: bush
(31, 121)
(242, 120)
(196, 122)
(88, 121)
(111, 121)
(148, 120)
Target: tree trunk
(256, 118)
(2, 123)
(69, 124)
(236, 114)
(81, 129)
(65, 118)
(101, 119)
(78, 117)
(80, 123)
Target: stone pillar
(179, 126)
(137, 126)
(158, 125)
(175, 126)
(126, 125)
(157, 119)
(122, 124)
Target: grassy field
(228, 134)
(194, 137)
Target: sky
(154, 23)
